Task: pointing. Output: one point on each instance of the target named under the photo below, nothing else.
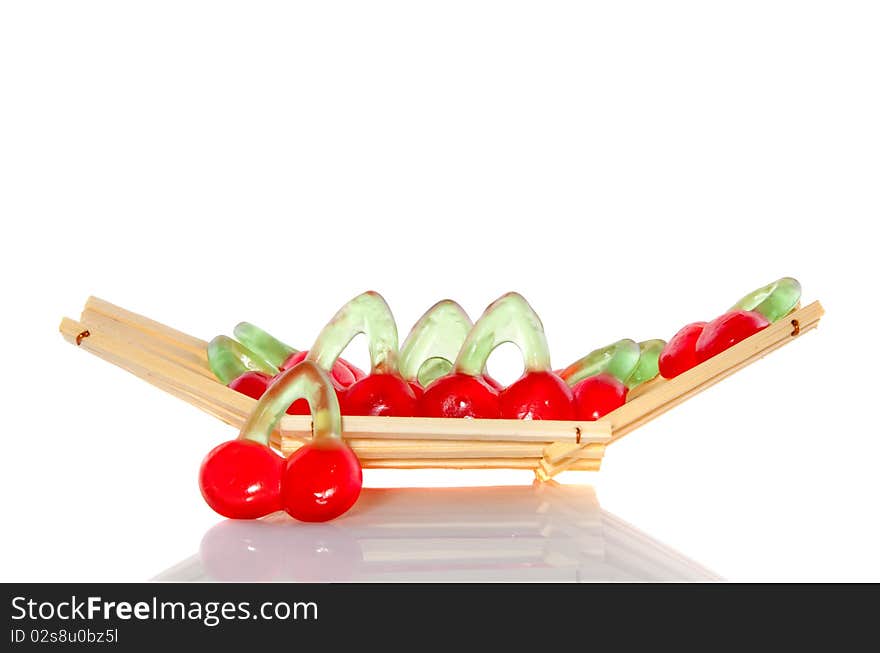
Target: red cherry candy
(357, 372)
(379, 394)
(679, 354)
(241, 479)
(252, 384)
(321, 481)
(598, 395)
(460, 395)
(725, 331)
(492, 383)
(417, 389)
(537, 395)
(343, 373)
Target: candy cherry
(680, 353)
(241, 479)
(417, 389)
(384, 391)
(343, 373)
(380, 394)
(253, 384)
(460, 395)
(725, 331)
(321, 481)
(598, 395)
(538, 395)
(323, 478)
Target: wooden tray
(177, 363)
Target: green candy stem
(618, 359)
(304, 381)
(432, 369)
(434, 342)
(507, 319)
(263, 343)
(774, 301)
(648, 366)
(367, 313)
(229, 359)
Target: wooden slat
(403, 428)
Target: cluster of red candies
(540, 393)
(399, 384)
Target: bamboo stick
(159, 330)
(373, 448)
(438, 428)
(149, 366)
(170, 351)
(483, 463)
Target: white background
(629, 167)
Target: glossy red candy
(357, 372)
(597, 396)
(460, 395)
(492, 383)
(379, 394)
(537, 395)
(342, 375)
(321, 480)
(725, 331)
(253, 384)
(679, 354)
(417, 389)
(241, 479)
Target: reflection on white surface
(544, 532)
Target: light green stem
(229, 359)
(262, 343)
(648, 366)
(774, 301)
(303, 381)
(367, 313)
(619, 359)
(434, 342)
(508, 319)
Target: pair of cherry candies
(245, 479)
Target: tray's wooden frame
(176, 362)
